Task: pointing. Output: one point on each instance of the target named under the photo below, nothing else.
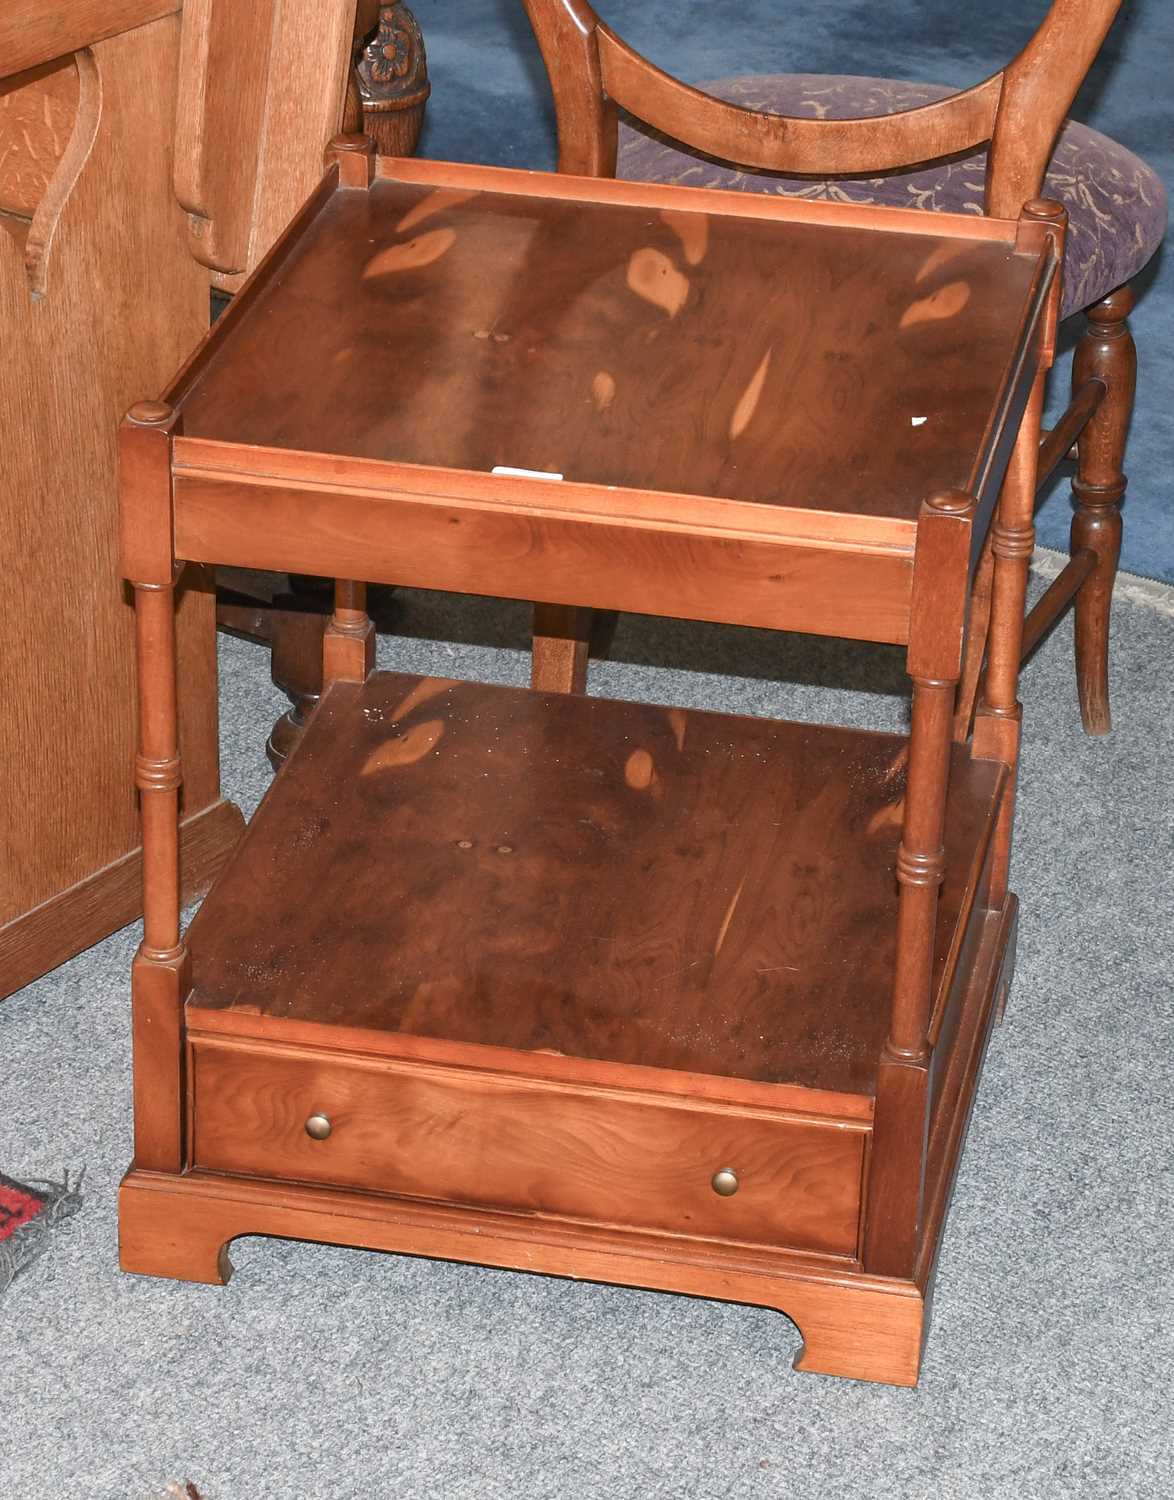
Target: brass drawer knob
(725, 1183)
(318, 1127)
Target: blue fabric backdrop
(490, 103)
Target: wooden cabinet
(144, 153)
(97, 294)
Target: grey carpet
(22, 1246)
(326, 1374)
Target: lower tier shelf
(569, 877)
(853, 1323)
(574, 986)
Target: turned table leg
(894, 1220)
(159, 972)
(348, 647)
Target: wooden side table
(674, 999)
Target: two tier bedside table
(626, 993)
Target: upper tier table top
(690, 349)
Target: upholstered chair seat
(1116, 203)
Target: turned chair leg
(296, 626)
(1105, 352)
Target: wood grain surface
(519, 551)
(73, 363)
(678, 889)
(207, 459)
(588, 1153)
(863, 1327)
(261, 91)
(37, 114)
(32, 32)
(111, 897)
(854, 1324)
(617, 344)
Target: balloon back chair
(986, 149)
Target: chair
(869, 140)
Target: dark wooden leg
(1105, 352)
(389, 89)
(296, 627)
(562, 636)
(563, 641)
(391, 77)
(603, 631)
(291, 625)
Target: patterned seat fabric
(1116, 203)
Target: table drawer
(500, 1142)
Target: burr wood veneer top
(651, 886)
(814, 365)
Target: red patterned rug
(27, 1214)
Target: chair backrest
(1019, 110)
